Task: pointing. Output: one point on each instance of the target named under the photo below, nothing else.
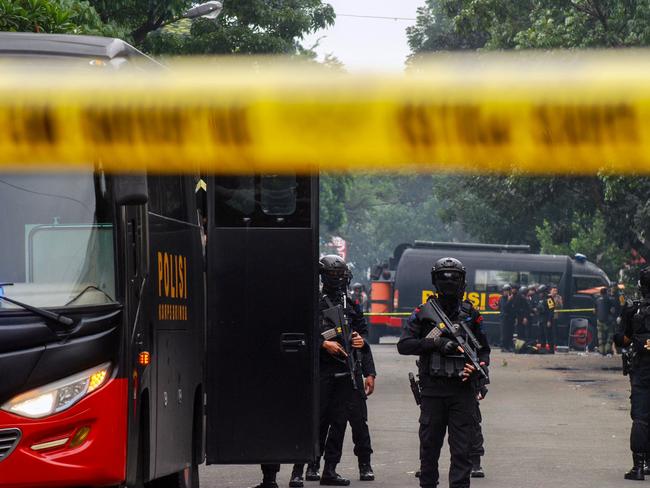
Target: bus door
(131, 193)
(262, 246)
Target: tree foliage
(521, 24)
(248, 27)
(382, 211)
(53, 16)
(594, 215)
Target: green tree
(520, 24)
(590, 236)
(382, 211)
(53, 16)
(595, 215)
(247, 27)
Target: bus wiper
(62, 320)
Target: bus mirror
(131, 189)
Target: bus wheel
(187, 478)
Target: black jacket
(520, 306)
(367, 362)
(413, 342)
(506, 308)
(330, 365)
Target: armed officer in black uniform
(446, 379)
(336, 388)
(634, 332)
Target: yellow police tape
(483, 312)
(532, 112)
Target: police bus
(133, 315)
(404, 282)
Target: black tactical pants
(507, 330)
(640, 411)
(437, 414)
(356, 412)
(548, 333)
(477, 445)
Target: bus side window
(263, 201)
(168, 197)
(278, 194)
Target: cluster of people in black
(530, 312)
(450, 386)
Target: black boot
(313, 471)
(636, 473)
(477, 470)
(267, 484)
(365, 472)
(646, 464)
(296, 480)
(331, 477)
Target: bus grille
(8, 441)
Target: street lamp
(208, 10)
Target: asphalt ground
(549, 421)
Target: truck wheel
(375, 333)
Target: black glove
(446, 346)
(618, 339)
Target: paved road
(549, 421)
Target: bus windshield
(56, 236)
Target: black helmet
(334, 273)
(448, 277)
(523, 290)
(542, 289)
(506, 287)
(644, 282)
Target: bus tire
(374, 333)
(189, 476)
(143, 449)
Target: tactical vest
(452, 365)
(641, 326)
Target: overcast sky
(367, 43)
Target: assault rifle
(415, 388)
(627, 355)
(442, 326)
(341, 331)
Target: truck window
(493, 280)
(539, 278)
(586, 284)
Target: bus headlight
(58, 396)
